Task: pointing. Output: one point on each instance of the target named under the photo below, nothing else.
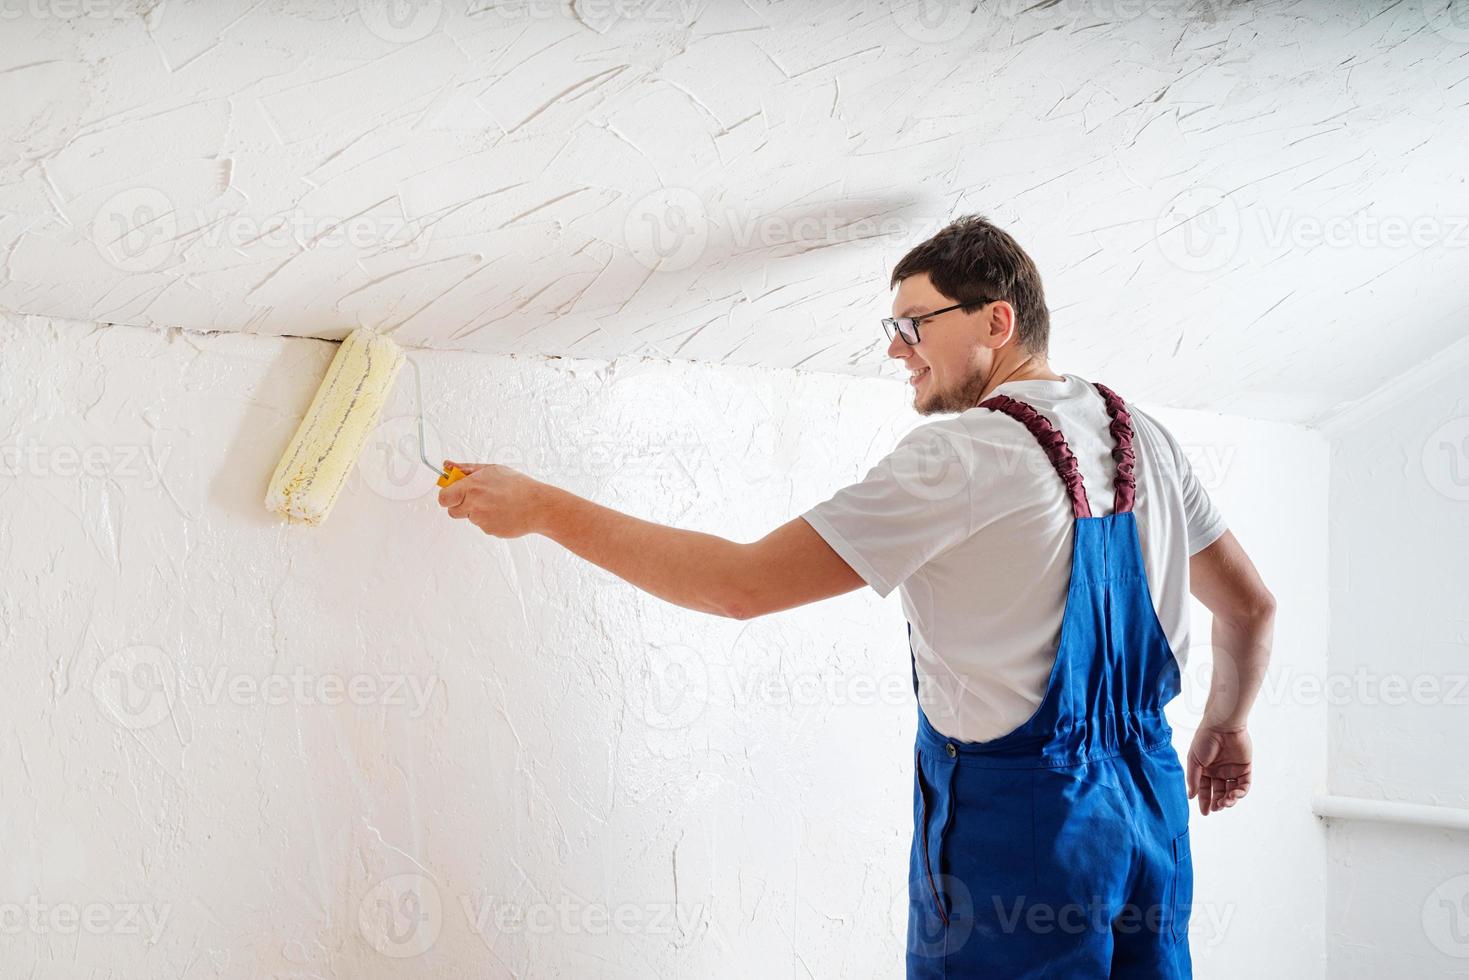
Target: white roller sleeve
(331, 435)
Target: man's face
(955, 352)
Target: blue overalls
(1061, 849)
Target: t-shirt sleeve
(912, 506)
(1204, 522)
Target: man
(1044, 541)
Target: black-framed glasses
(907, 326)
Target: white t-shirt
(967, 517)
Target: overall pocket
(934, 809)
(1181, 903)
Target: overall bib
(1061, 849)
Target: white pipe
(1385, 811)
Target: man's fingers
(1230, 776)
(1218, 791)
(451, 496)
(1230, 770)
(467, 468)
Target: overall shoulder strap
(1052, 442)
(1125, 483)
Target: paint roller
(342, 415)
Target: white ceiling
(1259, 208)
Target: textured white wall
(234, 747)
(1262, 864)
(1398, 896)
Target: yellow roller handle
(454, 475)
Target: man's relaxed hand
(496, 499)
(1219, 768)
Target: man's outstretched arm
(789, 567)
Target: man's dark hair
(970, 260)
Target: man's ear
(1000, 325)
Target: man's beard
(963, 396)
